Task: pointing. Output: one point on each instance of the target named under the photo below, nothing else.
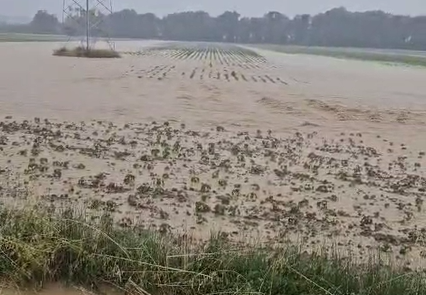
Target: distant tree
(335, 27)
(227, 23)
(299, 29)
(191, 26)
(276, 28)
(45, 23)
(416, 31)
(149, 26)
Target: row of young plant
(231, 56)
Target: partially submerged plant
(88, 53)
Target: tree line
(337, 27)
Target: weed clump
(84, 52)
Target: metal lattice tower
(88, 16)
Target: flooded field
(249, 143)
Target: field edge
(342, 53)
(40, 247)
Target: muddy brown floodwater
(320, 150)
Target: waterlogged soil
(320, 159)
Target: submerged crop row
(224, 55)
(161, 72)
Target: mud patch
(345, 113)
(276, 106)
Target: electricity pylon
(88, 16)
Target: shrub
(83, 52)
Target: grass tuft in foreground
(38, 248)
(83, 52)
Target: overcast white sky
(215, 7)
